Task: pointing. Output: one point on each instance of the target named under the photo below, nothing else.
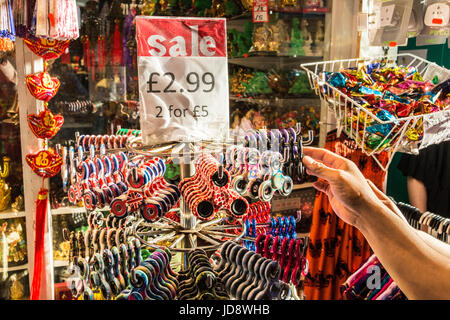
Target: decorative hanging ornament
(45, 163)
(42, 86)
(48, 49)
(39, 249)
(45, 125)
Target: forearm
(435, 244)
(417, 193)
(412, 264)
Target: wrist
(371, 210)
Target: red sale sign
(181, 37)
(183, 78)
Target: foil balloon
(42, 86)
(45, 163)
(47, 49)
(45, 125)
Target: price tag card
(260, 11)
(183, 79)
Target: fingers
(325, 156)
(319, 169)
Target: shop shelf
(303, 186)
(11, 214)
(73, 209)
(267, 62)
(288, 101)
(68, 210)
(60, 263)
(16, 268)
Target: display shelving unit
(28, 63)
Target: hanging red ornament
(41, 214)
(87, 53)
(45, 125)
(45, 163)
(42, 86)
(101, 53)
(117, 46)
(47, 49)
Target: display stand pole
(187, 219)
(28, 63)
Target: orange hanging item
(336, 249)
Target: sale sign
(183, 79)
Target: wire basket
(350, 114)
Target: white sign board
(183, 79)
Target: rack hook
(310, 139)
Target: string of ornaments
(47, 27)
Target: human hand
(348, 191)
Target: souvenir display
(13, 243)
(5, 190)
(296, 48)
(239, 43)
(14, 286)
(248, 82)
(46, 163)
(18, 204)
(235, 215)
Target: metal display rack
(349, 113)
(182, 237)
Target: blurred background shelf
(16, 268)
(303, 186)
(68, 210)
(265, 62)
(60, 263)
(73, 209)
(11, 214)
(306, 99)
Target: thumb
(322, 186)
(320, 170)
